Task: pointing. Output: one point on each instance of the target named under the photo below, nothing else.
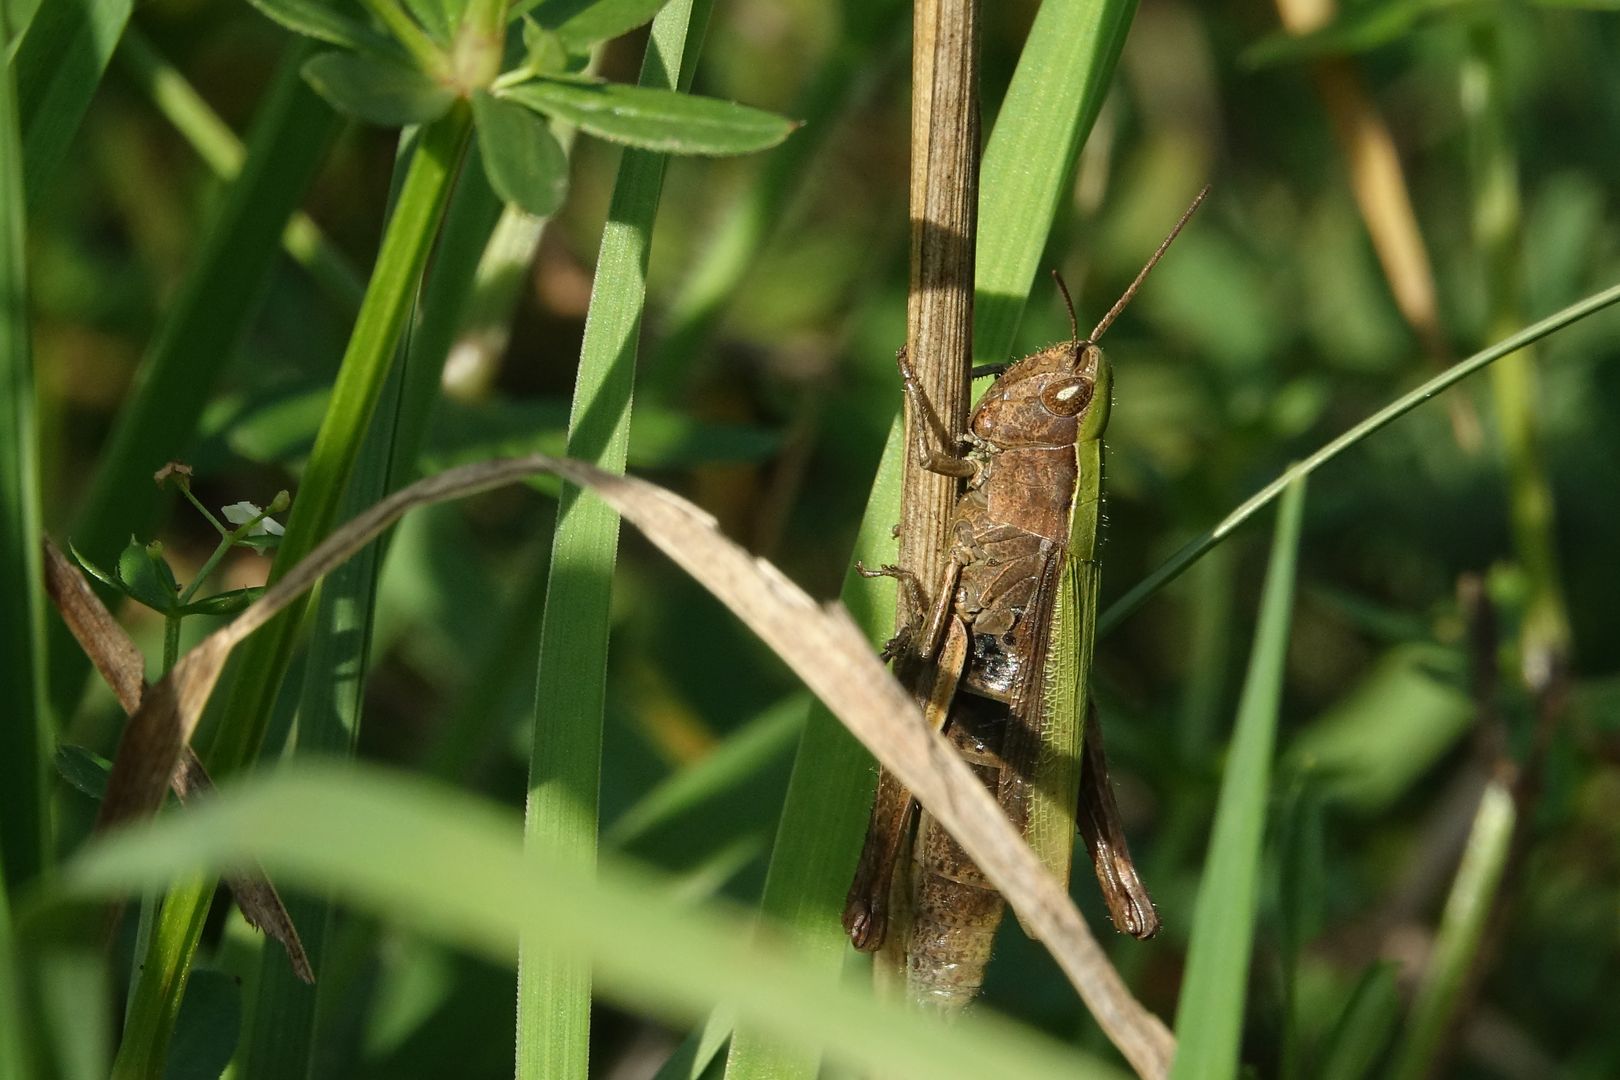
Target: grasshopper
(1004, 641)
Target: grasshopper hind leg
(1129, 904)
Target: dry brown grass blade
(820, 643)
(944, 223)
(120, 663)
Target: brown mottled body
(955, 909)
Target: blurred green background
(1270, 328)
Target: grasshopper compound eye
(1066, 397)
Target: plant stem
(428, 56)
(398, 271)
(28, 733)
(939, 311)
(171, 638)
(164, 971)
(554, 990)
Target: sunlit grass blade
(1195, 548)
(831, 785)
(1209, 1017)
(279, 1040)
(412, 228)
(1462, 929)
(216, 305)
(554, 990)
(58, 65)
(1062, 78)
(26, 734)
(222, 151)
(366, 834)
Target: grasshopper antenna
(1068, 302)
(1130, 293)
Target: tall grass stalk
(554, 990)
(280, 1037)
(1062, 76)
(1462, 931)
(1209, 1018)
(1196, 548)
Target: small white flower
(243, 512)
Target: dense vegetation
(1396, 187)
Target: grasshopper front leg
(944, 454)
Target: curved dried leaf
(820, 643)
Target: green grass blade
(14, 1060)
(409, 238)
(831, 786)
(222, 151)
(1209, 1016)
(737, 757)
(1195, 548)
(1063, 75)
(699, 1053)
(59, 64)
(554, 991)
(825, 809)
(280, 1037)
(26, 734)
(411, 230)
(1462, 929)
(161, 985)
(218, 301)
(454, 867)
(1359, 1038)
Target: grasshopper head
(1045, 399)
(1061, 395)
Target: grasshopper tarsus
(897, 646)
(865, 923)
(916, 602)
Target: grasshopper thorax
(1044, 400)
